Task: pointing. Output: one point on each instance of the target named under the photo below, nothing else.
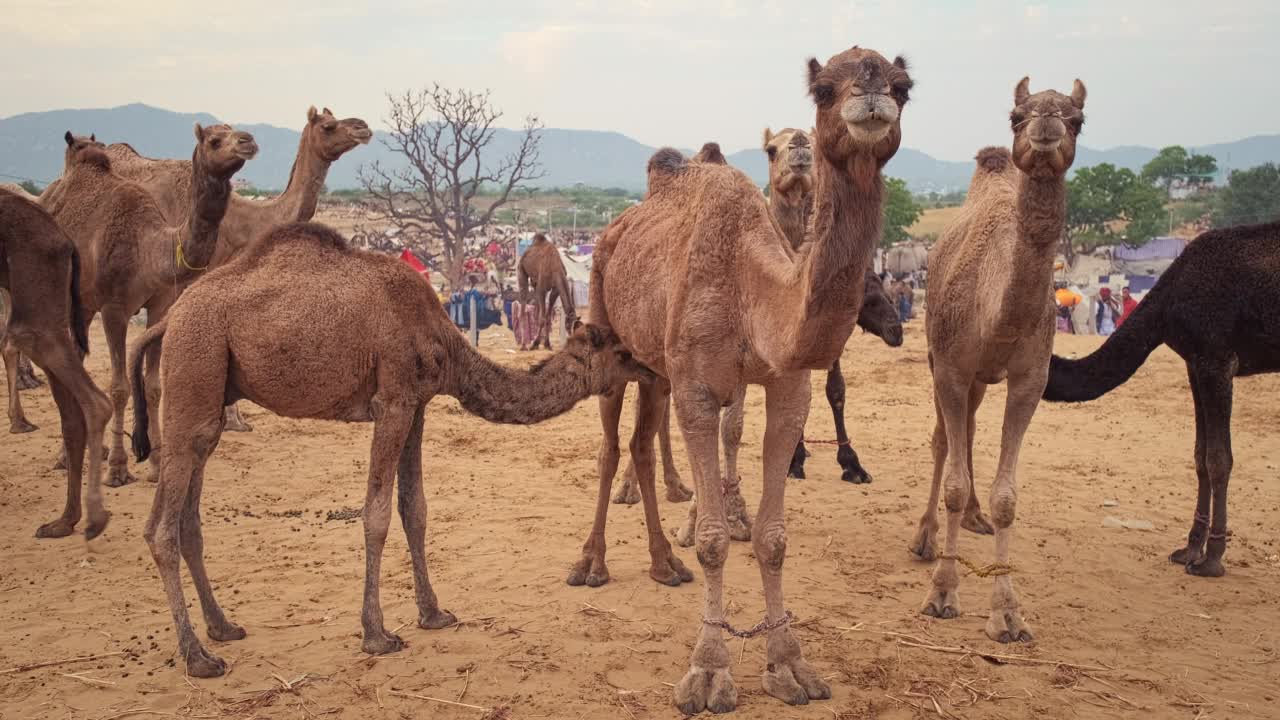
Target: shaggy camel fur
(697, 282)
(324, 139)
(998, 253)
(133, 257)
(542, 267)
(377, 347)
(40, 271)
(1218, 307)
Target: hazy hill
(31, 147)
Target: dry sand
(509, 508)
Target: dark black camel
(1218, 307)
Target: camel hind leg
(736, 513)
(18, 422)
(851, 469)
(1194, 549)
(413, 516)
(591, 570)
(677, 492)
(666, 568)
(115, 323)
(923, 544)
(1214, 379)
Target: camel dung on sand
(40, 270)
(541, 271)
(295, 325)
(702, 288)
(998, 253)
(1218, 307)
(132, 256)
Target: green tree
(1174, 167)
(1251, 196)
(900, 211)
(1106, 204)
(30, 187)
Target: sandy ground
(509, 508)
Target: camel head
(329, 138)
(81, 149)
(878, 316)
(790, 161)
(607, 362)
(859, 95)
(221, 150)
(1045, 128)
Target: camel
(40, 272)
(1217, 307)
(19, 373)
(307, 327)
(542, 267)
(997, 254)
(698, 283)
(324, 139)
(133, 257)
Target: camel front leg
(665, 567)
(591, 570)
(115, 323)
(923, 545)
(390, 430)
(413, 516)
(27, 379)
(708, 685)
(787, 675)
(234, 420)
(677, 492)
(18, 422)
(1005, 622)
(735, 505)
(851, 469)
(73, 441)
(951, 396)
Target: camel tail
(79, 324)
(1108, 367)
(141, 439)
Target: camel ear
(94, 138)
(1078, 94)
(815, 67)
(199, 133)
(327, 111)
(69, 138)
(900, 62)
(1022, 93)
(597, 336)
(312, 114)
(768, 135)
(576, 324)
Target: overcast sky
(665, 72)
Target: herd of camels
(738, 289)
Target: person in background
(508, 299)
(1108, 312)
(904, 298)
(1067, 300)
(1128, 305)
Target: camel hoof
(382, 644)
(942, 604)
(671, 573)
(684, 536)
(922, 546)
(1006, 626)
(240, 426)
(203, 664)
(56, 529)
(95, 526)
(857, 476)
(678, 493)
(1187, 555)
(628, 494)
(226, 632)
(738, 530)
(975, 522)
(590, 572)
(119, 476)
(20, 426)
(27, 381)
(1206, 567)
(706, 689)
(794, 683)
(437, 620)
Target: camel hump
(312, 232)
(994, 159)
(710, 153)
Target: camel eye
(215, 143)
(773, 153)
(823, 94)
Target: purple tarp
(1166, 248)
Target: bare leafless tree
(442, 134)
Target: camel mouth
(893, 336)
(362, 135)
(800, 160)
(246, 150)
(1042, 145)
(870, 129)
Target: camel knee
(956, 492)
(770, 544)
(1004, 505)
(712, 543)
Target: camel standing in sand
(542, 268)
(40, 271)
(324, 139)
(998, 254)
(132, 256)
(1218, 307)
(307, 327)
(699, 284)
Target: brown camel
(698, 283)
(542, 268)
(40, 271)
(133, 257)
(1218, 307)
(307, 327)
(19, 374)
(324, 140)
(997, 254)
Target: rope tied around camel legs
(842, 443)
(760, 628)
(992, 570)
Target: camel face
(790, 155)
(859, 95)
(608, 362)
(82, 149)
(1045, 128)
(878, 316)
(223, 150)
(331, 138)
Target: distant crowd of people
(1109, 312)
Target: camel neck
(520, 397)
(1041, 208)
(298, 201)
(209, 197)
(790, 212)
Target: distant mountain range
(31, 147)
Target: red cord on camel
(827, 442)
